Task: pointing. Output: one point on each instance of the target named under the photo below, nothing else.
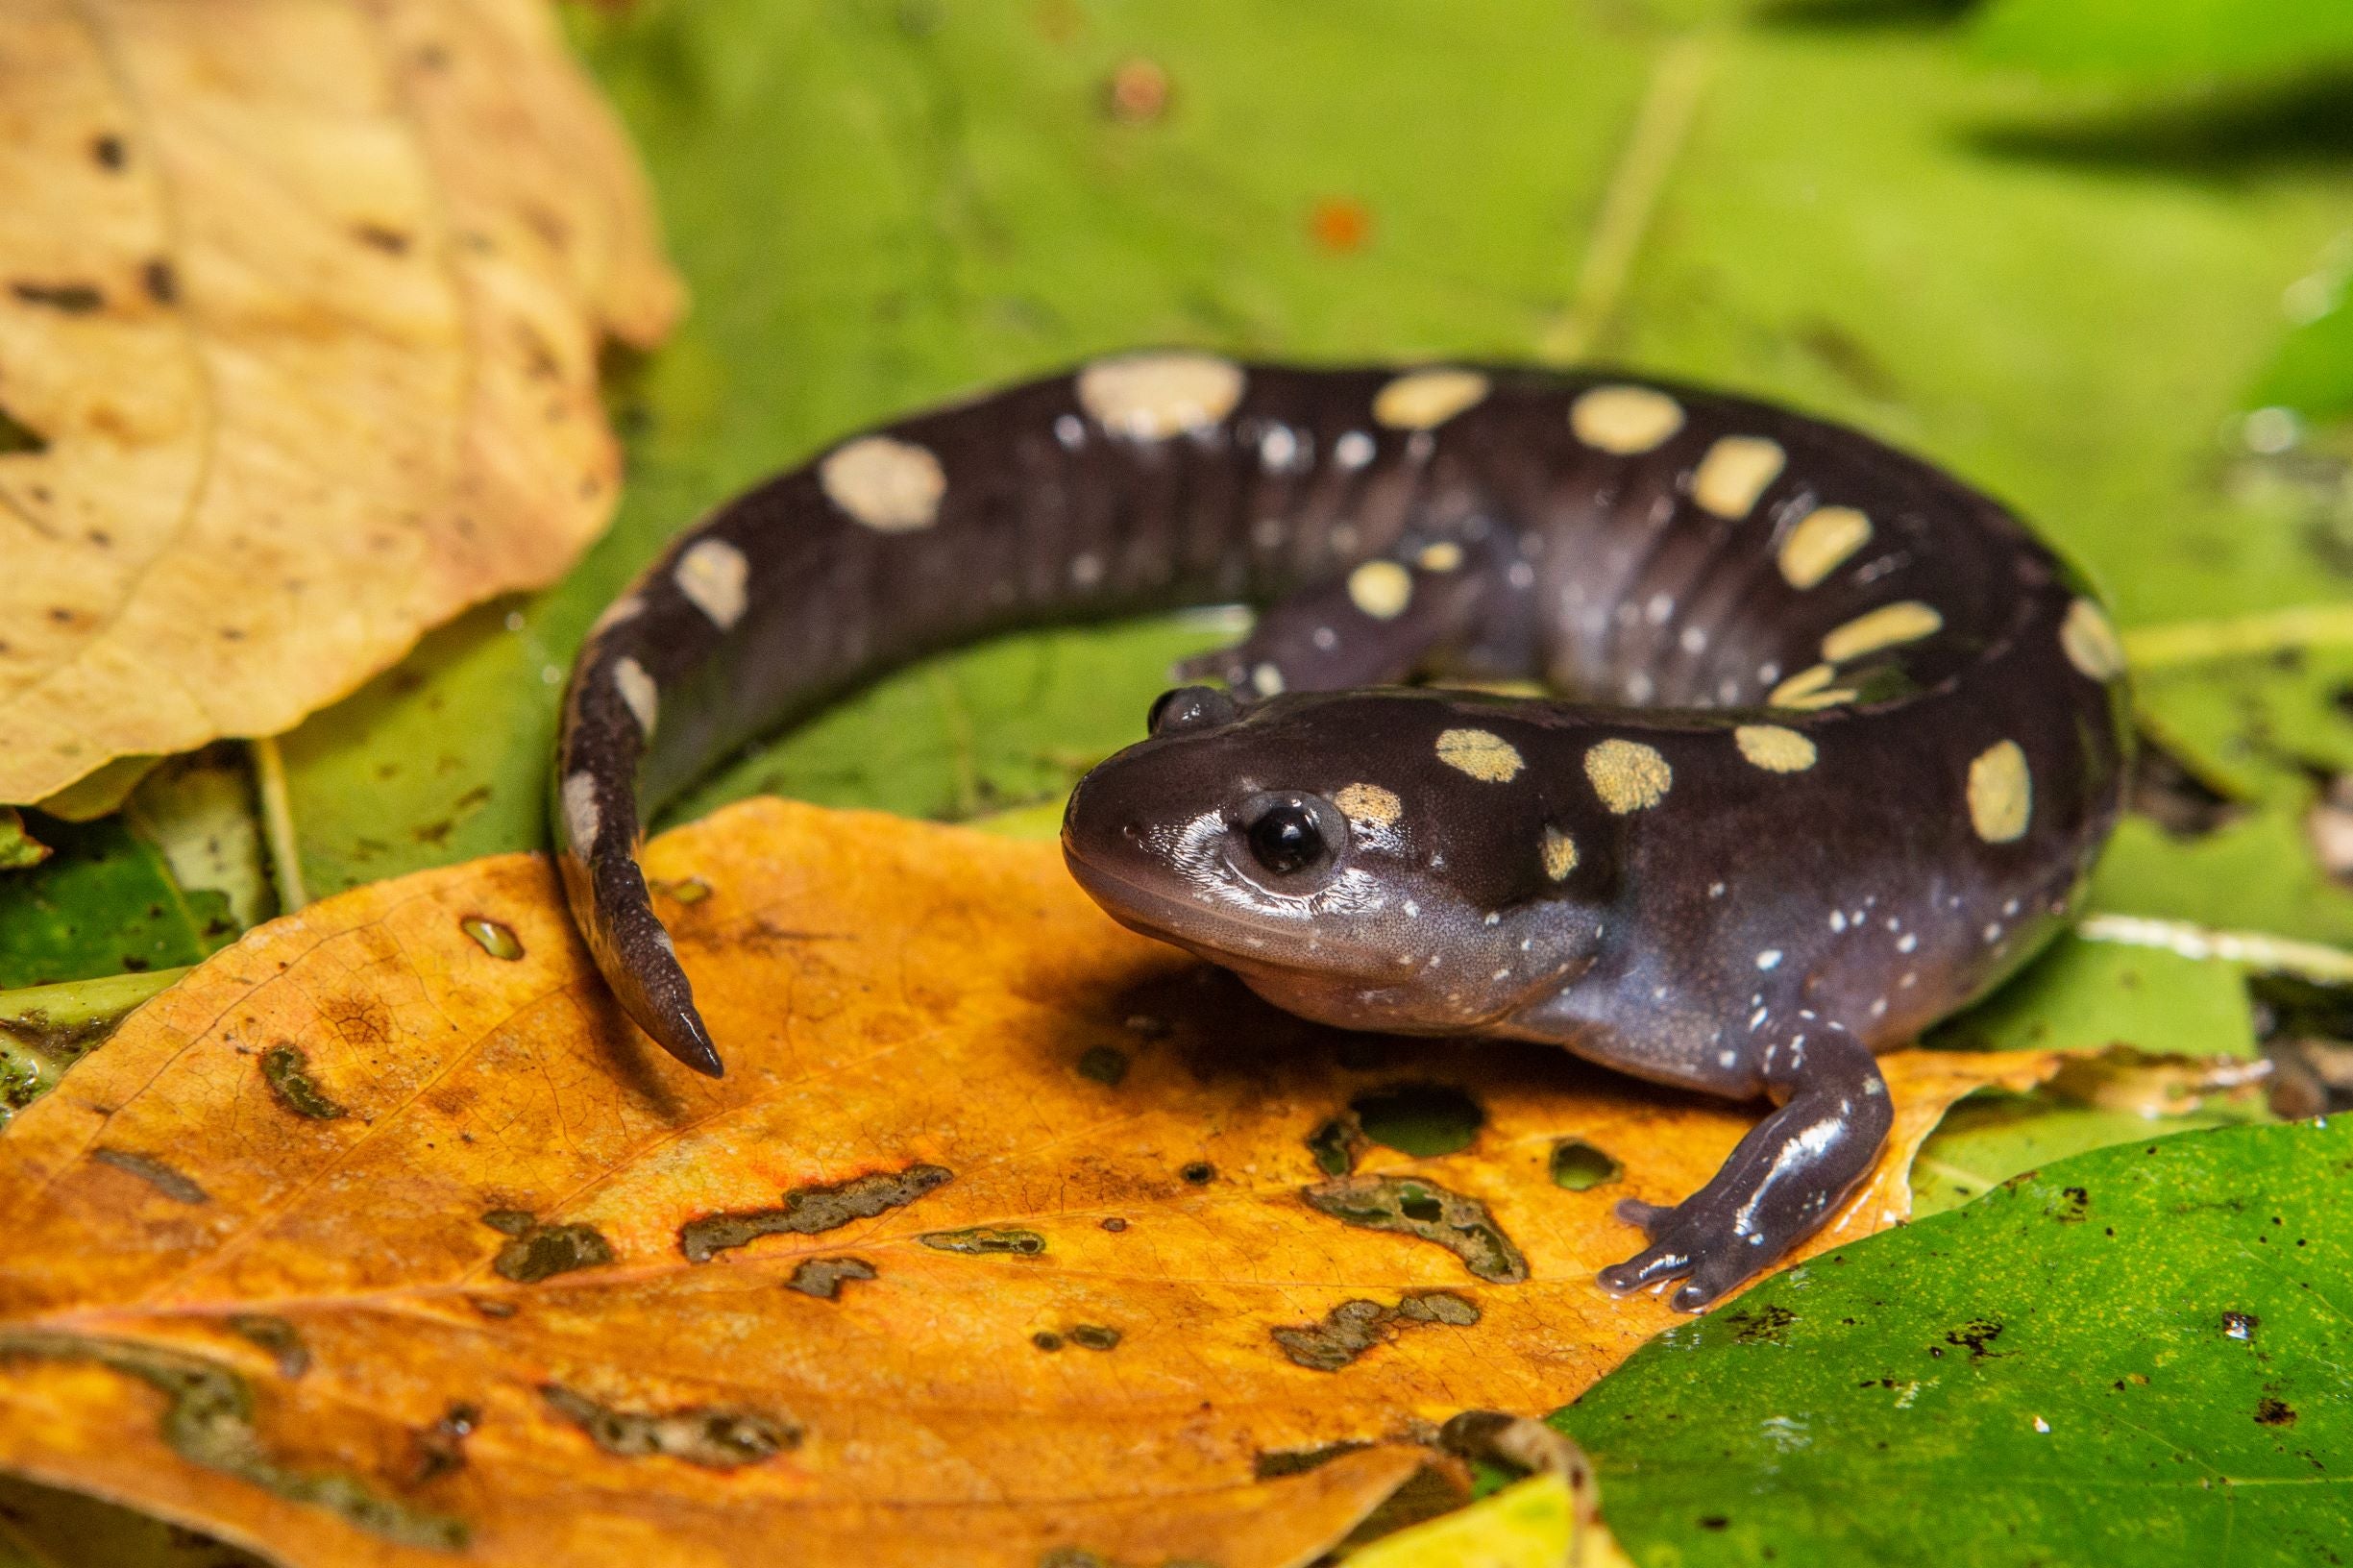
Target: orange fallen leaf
(299, 313)
(382, 1232)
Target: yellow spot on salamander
(1267, 678)
(1627, 774)
(1369, 803)
(711, 575)
(581, 818)
(1808, 689)
(1906, 621)
(638, 691)
(1423, 400)
(1625, 420)
(1821, 544)
(1775, 749)
(892, 486)
(1481, 753)
(1151, 397)
(1560, 853)
(2001, 792)
(2091, 643)
(1735, 472)
(1381, 589)
(1443, 557)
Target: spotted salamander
(1838, 744)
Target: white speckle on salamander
(1071, 430)
(1694, 640)
(1151, 397)
(1521, 576)
(1085, 569)
(890, 485)
(711, 574)
(1353, 451)
(1267, 678)
(638, 693)
(580, 815)
(1280, 449)
(1770, 957)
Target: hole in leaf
(1579, 1166)
(1420, 1119)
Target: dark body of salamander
(1840, 740)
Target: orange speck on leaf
(1340, 224)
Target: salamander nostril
(1286, 840)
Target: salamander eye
(1286, 838)
(1189, 707)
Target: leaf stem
(277, 823)
(2168, 646)
(2256, 949)
(1661, 124)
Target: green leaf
(2137, 1355)
(105, 903)
(1988, 1139)
(18, 848)
(1528, 1523)
(2312, 372)
(2169, 37)
(2085, 996)
(43, 1526)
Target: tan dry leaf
(300, 303)
(361, 1172)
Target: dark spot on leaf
(808, 1210)
(74, 299)
(541, 1252)
(154, 1172)
(210, 1422)
(1462, 1225)
(17, 437)
(2272, 1412)
(2239, 1325)
(390, 242)
(1046, 1340)
(1115, 1224)
(493, 936)
(441, 1448)
(1714, 1521)
(1200, 1173)
(1103, 1064)
(1975, 1335)
(2074, 1207)
(713, 1436)
(1137, 92)
(822, 1277)
(1354, 1326)
(162, 283)
(2167, 790)
(1094, 1337)
(108, 149)
(982, 1240)
(1767, 1325)
(508, 1221)
(1581, 1166)
(1424, 1121)
(491, 1306)
(1336, 1145)
(278, 1336)
(286, 1070)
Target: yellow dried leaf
(300, 303)
(374, 1234)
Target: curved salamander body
(1842, 740)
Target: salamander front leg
(1782, 1182)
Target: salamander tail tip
(684, 1037)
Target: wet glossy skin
(1847, 737)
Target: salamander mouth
(1224, 939)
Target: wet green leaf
(105, 903)
(2137, 1355)
(2312, 372)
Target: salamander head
(1378, 860)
